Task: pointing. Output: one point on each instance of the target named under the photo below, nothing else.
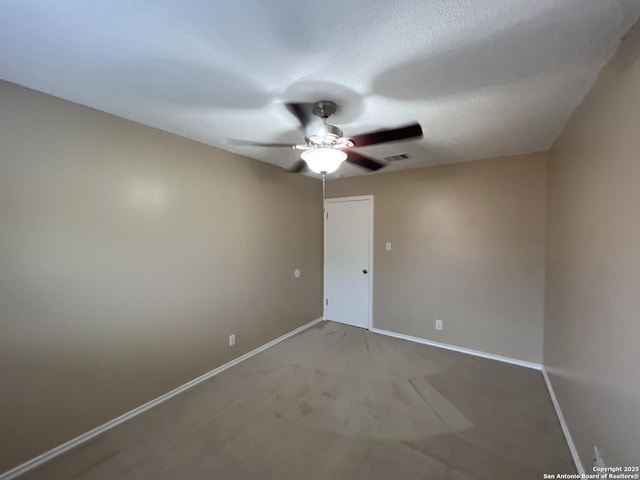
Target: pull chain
(324, 175)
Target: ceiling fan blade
(362, 161)
(387, 135)
(302, 111)
(249, 143)
(299, 166)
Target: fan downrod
(324, 109)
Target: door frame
(324, 253)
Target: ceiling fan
(326, 146)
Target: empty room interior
(269, 239)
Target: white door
(348, 243)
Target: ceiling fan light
(323, 160)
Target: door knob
(365, 271)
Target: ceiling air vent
(399, 156)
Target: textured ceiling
(484, 77)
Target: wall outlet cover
(232, 340)
(438, 324)
(597, 458)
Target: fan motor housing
(324, 134)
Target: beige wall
(592, 328)
(467, 248)
(127, 257)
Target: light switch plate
(387, 246)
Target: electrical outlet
(597, 458)
(438, 324)
(232, 340)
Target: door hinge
(326, 301)
(327, 215)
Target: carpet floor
(338, 402)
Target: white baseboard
(477, 353)
(60, 449)
(563, 424)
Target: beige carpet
(337, 402)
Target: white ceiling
(484, 78)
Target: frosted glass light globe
(324, 160)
